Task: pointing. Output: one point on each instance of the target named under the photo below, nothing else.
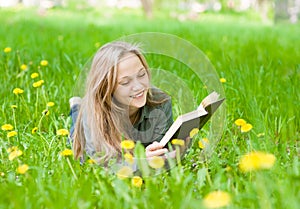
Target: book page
(211, 98)
(195, 119)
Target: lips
(138, 95)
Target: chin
(139, 105)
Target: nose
(137, 85)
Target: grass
(259, 61)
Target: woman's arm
(163, 122)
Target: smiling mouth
(138, 95)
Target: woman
(118, 104)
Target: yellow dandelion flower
(203, 143)
(193, 132)
(91, 161)
(222, 80)
(11, 134)
(23, 67)
(240, 122)
(17, 91)
(14, 106)
(34, 130)
(44, 63)
(22, 169)
(50, 104)
(256, 161)
(62, 132)
(129, 158)
(124, 172)
(216, 199)
(179, 142)
(34, 75)
(247, 127)
(11, 149)
(66, 152)
(14, 154)
(2, 174)
(127, 144)
(38, 83)
(46, 112)
(7, 127)
(7, 50)
(137, 181)
(156, 162)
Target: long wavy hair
(105, 118)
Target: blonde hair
(98, 109)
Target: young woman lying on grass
(119, 103)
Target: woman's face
(132, 82)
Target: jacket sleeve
(164, 121)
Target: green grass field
(261, 65)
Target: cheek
(146, 82)
(121, 93)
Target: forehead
(129, 65)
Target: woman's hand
(155, 149)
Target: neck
(133, 111)
(134, 115)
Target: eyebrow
(143, 68)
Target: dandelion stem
(71, 167)
(15, 123)
(36, 102)
(2, 145)
(14, 118)
(40, 121)
(96, 174)
(25, 105)
(207, 173)
(178, 156)
(50, 144)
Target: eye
(142, 74)
(124, 83)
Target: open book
(185, 123)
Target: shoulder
(160, 103)
(157, 94)
(164, 106)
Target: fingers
(154, 146)
(156, 152)
(155, 149)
